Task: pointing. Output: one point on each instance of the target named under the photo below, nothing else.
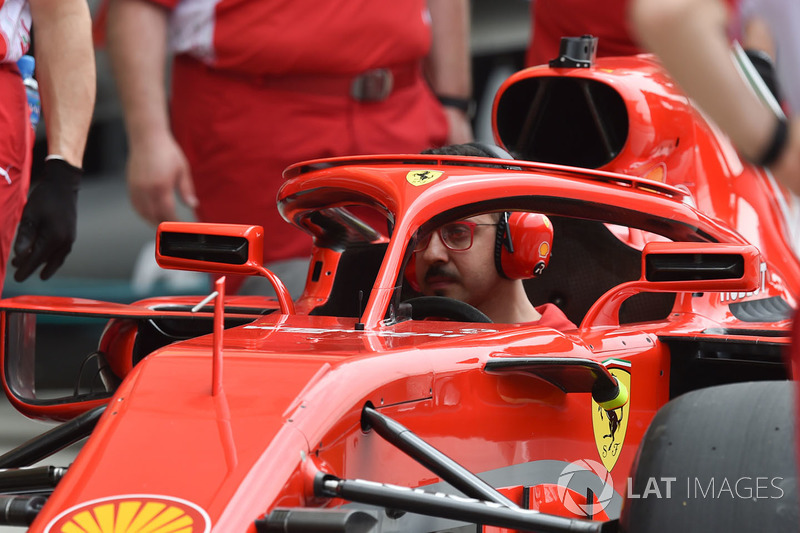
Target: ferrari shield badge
(423, 177)
(133, 512)
(610, 426)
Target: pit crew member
(66, 74)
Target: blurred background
(112, 258)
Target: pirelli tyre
(719, 459)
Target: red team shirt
(553, 317)
(15, 29)
(300, 36)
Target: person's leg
(16, 153)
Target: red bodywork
(293, 384)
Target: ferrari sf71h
(364, 406)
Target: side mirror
(219, 249)
(45, 378)
(682, 267)
(61, 357)
(698, 267)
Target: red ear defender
(523, 244)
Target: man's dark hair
(458, 149)
(474, 149)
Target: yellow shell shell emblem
(132, 514)
(610, 426)
(423, 177)
(544, 249)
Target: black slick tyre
(719, 459)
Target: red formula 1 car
(363, 406)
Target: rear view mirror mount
(235, 249)
(682, 267)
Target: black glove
(48, 225)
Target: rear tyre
(730, 452)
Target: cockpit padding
(358, 267)
(587, 260)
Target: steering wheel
(447, 308)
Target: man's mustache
(439, 271)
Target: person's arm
(690, 38)
(65, 69)
(66, 72)
(449, 63)
(137, 45)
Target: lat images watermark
(573, 491)
(741, 488)
(572, 498)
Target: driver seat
(356, 271)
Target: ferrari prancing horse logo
(610, 426)
(423, 177)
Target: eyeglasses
(456, 236)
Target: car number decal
(734, 296)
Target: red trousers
(239, 133)
(16, 154)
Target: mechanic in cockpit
(482, 260)
(460, 260)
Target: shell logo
(133, 513)
(544, 249)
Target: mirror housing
(700, 267)
(218, 248)
(61, 357)
(682, 267)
